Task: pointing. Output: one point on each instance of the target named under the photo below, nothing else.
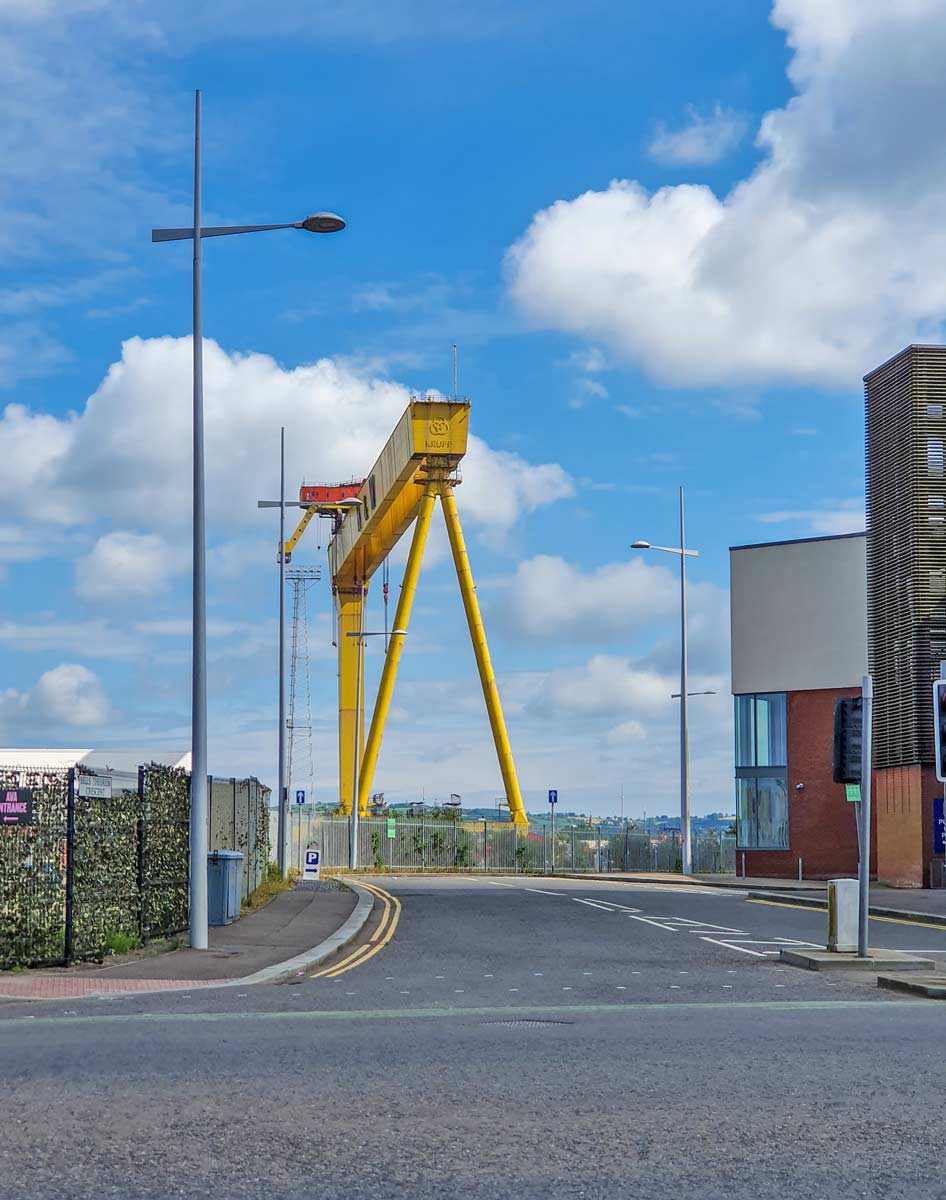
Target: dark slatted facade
(906, 549)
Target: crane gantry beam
(417, 466)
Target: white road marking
(674, 987)
(648, 921)
(757, 953)
(593, 904)
(566, 989)
(620, 988)
(514, 989)
(543, 892)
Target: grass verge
(272, 885)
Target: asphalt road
(527, 1038)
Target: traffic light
(848, 741)
(939, 727)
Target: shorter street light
(683, 554)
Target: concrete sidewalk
(296, 923)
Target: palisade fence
(94, 856)
(494, 846)
(239, 820)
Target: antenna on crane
(301, 578)
(454, 370)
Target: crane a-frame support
(417, 465)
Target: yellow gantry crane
(418, 464)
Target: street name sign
(95, 787)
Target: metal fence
(414, 845)
(88, 857)
(239, 820)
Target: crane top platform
(431, 434)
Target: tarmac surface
(490, 1037)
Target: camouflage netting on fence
(129, 863)
(33, 871)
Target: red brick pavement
(55, 987)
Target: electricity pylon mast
(418, 465)
(300, 730)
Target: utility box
(843, 911)
(224, 886)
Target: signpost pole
(867, 693)
(553, 800)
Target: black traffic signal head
(848, 741)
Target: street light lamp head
(323, 222)
(640, 545)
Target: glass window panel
(745, 731)
(745, 810)
(762, 813)
(771, 739)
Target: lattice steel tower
(300, 730)
(906, 548)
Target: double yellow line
(378, 940)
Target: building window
(762, 812)
(372, 493)
(762, 771)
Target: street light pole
(684, 553)
(199, 814)
(283, 814)
(684, 731)
(322, 222)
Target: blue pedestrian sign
(300, 796)
(312, 865)
(553, 796)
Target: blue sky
(668, 239)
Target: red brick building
(799, 641)
(811, 617)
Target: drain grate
(517, 1021)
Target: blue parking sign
(553, 796)
(312, 865)
(300, 796)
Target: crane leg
(350, 693)
(392, 659)
(485, 667)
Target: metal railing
(406, 844)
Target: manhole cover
(528, 1021)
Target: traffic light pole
(867, 694)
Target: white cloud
(124, 564)
(128, 451)
(607, 686)
(845, 516)
(92, 639)
(704, 139)
(69, 695)
(551, 599)
(815, 267)
(585, 390)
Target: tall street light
(684, 554)
(317, 223)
